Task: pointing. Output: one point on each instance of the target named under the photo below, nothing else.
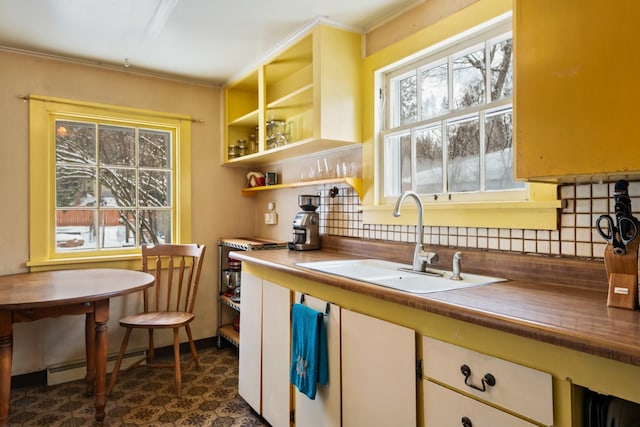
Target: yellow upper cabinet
(304, 99)
(577, 92)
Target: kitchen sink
(398, 276)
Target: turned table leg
(90, 350)
(5, 365)
(101, 316)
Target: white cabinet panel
(378, 372)
(520, 389)
(263, 372)
(324, 410)
(249, 369)
(276, 352)
(446, 408)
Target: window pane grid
(443, 94)
(114, 186)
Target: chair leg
(192, 346)
(176, 360)
(116, 368)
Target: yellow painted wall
(406, 24)
(217, 208)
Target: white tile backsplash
(583, 204)
(530, 246)
(543, 247)
(583, 191)
(600, 190)
(567, 192)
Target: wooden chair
(167, 304)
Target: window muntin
(113, 186)
(457, 103)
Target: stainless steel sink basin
(397, 276)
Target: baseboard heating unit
(73, 371)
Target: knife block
(622, 271)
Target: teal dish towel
(309, 358)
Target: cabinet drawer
(515, 387)
(446, 408)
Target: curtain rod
(109, 107)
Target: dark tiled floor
(145, 397)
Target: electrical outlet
(271, 218)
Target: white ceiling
(205, 40)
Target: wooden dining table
(26, 297)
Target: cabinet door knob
(487, 380)
(466, 422)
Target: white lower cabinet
(378, 372)
(250, 354)
(276, 353)
(515, 388)
(265, 343)
(324, 410)
(446, 408)
(372, 364)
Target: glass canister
(253, 144)
(242, 147)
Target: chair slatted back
(172, 264)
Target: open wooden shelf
(313, 85)
(289, 151)
(354, 182)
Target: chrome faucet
(420, 257)
(456, 266)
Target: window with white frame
(448, 120)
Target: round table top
(52, 288)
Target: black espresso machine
(306, 224)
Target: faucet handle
(425, 258)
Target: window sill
(128, 261)
(536, 215)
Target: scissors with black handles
(619, 236)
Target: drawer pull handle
(466, 422)
(487, 380)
